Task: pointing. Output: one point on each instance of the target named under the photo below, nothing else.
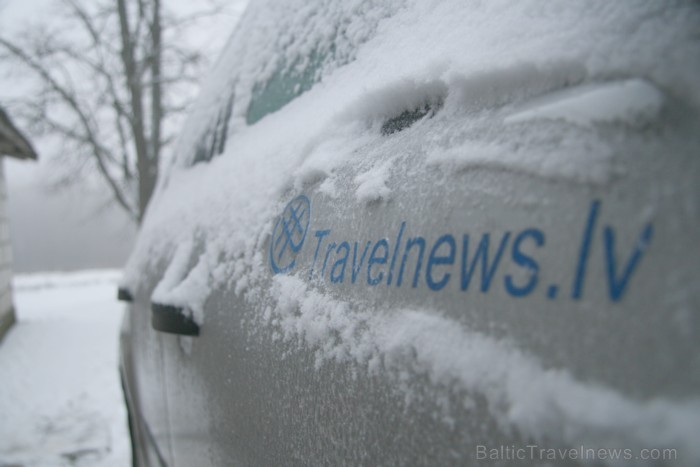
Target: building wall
(7, 316)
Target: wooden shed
(12, 144)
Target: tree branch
(119, 77)
(69, 99)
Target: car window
(286, 83)
(212, 142)
(307, 54)
(277, 54)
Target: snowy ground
(60, 400)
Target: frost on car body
(413, 229)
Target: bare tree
(109, 87)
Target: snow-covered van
(407, 232)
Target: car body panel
(490, 253)
(141, 363)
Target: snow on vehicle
(430, 233)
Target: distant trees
(112, 76)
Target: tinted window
(212, 142)
(285, 84)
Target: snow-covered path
(60, 399)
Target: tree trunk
(104, 90)
(146, 177)
(156, 98)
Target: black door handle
(173, 319)
(124, 295)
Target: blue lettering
(396, 252)
(617, 285)
(319, 234)
(331, 247)
(374, 259)
(482, 252)
(442, 258)
(525, 261)
(584, 250)
(340, 264)
(355, 266)
(434, 260)
(420, 241)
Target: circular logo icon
(289, 234)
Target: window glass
(285, 84)
(212, 142)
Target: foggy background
(64, 66)
(77, 226)
(62, 230)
